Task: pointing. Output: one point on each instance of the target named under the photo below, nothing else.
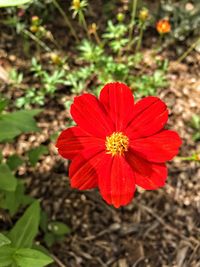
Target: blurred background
(54, 50)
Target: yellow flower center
(117, 144)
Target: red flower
(117, 144)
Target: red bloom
(117, 144)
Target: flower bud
(55, 58)
(163, 26)
(35, 19)
(92, 28)
(34, 28)
(143, 14)
(76, 4)
(120, 17)
(197, 157)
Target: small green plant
(16, 77)
(16, 247)
(115, 35)
(49, 83)
(195, 124)
(54, 231)
(148, 84)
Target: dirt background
(159, 228)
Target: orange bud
(93, 28)
(163, 26)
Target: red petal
(90, 115)
(71, 141)
(160, 147)
(155, 180)
(83, 169)
(148, 175)
(116, 181)
(149, 117)
(118, 101)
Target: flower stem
(37, 40)
(97, 39)
(82, 19)
(65, 17)
(188, 50)
(138, 46)
(132, 23)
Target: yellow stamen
(117, 144)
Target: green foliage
(14, 162)
(58, 228)
(23, 257)
(54, 231)
(15, 248)
(89, 51)
(15, 123)
(12, 200)
(115, 34)
(8, 182)
(149, 84)
(3, 103)
(30, 257)
(195, 124)
(4, 240)
(6, 256)
(35, 153)
(7, 3)
(16, 77)
(26, 228)
(48, 85)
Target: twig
(188, 51)
(58, 261)
(38, 41)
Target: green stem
(187, 158)
(38, 41)
(65, 17)
(188, 50)
(132, 23)
(138, 46)
(83, 21)
(97, 39)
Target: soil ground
(159, 228)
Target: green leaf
(13, 200)
(7, 3)
(58, 228)
(13, 124)
(26, 228)
(3, 104)
(49, 239)
(35, 153)
(8, 182)
(4, 240)
(8, 131)
(23, 120)
(14, 162)
(44, 221)
(26, 257)
(6, 254)
(1, 156)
